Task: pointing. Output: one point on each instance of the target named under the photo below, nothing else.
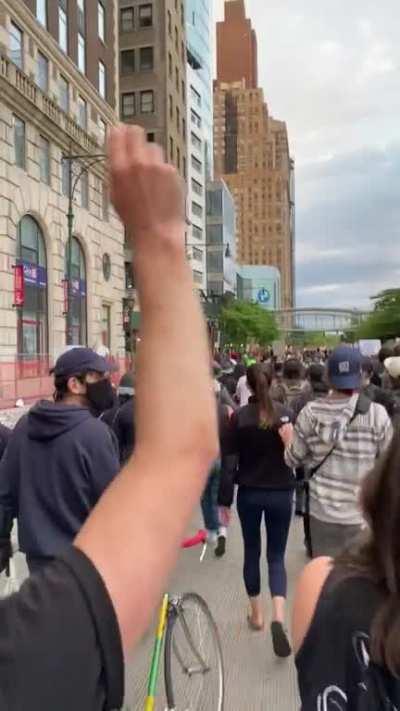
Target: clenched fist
(146, 192)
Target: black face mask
(100, 395)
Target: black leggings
(276, 505)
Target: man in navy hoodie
(59, 460)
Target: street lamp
(72, 184)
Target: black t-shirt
(260, 451)
(60, 646)
(335, 672)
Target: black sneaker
(280, 641)
(220, 547)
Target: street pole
(70, 220)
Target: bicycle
(193, 663)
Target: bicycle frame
(155, 662)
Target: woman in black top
(346, 619)
(265, 490)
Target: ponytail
(259, 382)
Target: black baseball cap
(78, 361)
(344, 368)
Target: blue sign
(35, 275)
(263, 296)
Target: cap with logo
(344, 368)
(78, 361)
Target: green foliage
(243, 321)
(313, 339)
(384, 320)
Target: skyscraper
(251, 153)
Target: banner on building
(19, 286)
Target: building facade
(59, 93)
(251, 153)
(261, 285)
(200, 131)
(221, 240)
(237, 47)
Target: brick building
(251, 153)
(59, 93)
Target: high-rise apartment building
(251, 153)
(152, 38)
(200, 131)
(59, 93)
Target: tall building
(59, 93)
(221, 242)
(251, 153)
(200, 131)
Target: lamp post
(72, 184)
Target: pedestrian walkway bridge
(319, 319)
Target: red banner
(19, 287)
(65, 286)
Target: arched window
(32, 316)
(78, 294)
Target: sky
(332, 71)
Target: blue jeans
(209, 502)
(276, 507)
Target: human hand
(146, 192)
(286, 434)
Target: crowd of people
(83, 476)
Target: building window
(214, 202)
(196, 142)
(104, 201)
(17, 45)
(197, 277)
(196, 164)
(127, 61)
(214, 234)
(32, 325)
(42, 72)
(215, 261)
(41, 12)
(19, 141)
(128, 108)
(178, 120)
(197, 232)
(65, 177)
(197, 209)
(147, 102)
(81, 17)
(197, 187)
(183, 54)
(169, 23)
(81, 53)
(106, 325)
(184, 168)
(146, 55)
(171, 149)
(44, 160)
(102, 80)
(177, 79)
(178, 159)
(127, 21)
(62, 29)
(195, 118)
(145, 15)
(102, 131)
(196, 97)
(170, 65)
(197, 254)
(85, 190)
(183, 92)
(101, 21)
(77, 293)
(63, 93)
(151, 137)
(176, 39)
(184, 129)
(82, 113)
(171, 107)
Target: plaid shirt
(334, 489)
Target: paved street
(255, 680)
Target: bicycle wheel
(194, 671)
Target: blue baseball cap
(77, 361)
(344, 368)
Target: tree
(384, 320)
(243, 321)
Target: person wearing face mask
(59, 460)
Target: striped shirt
(334, 488)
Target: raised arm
(133, 535)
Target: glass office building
(221, 242)
(199, 47)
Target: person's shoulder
(308, 591)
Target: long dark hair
(259, 381)
(379, 556)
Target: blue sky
(332, 71)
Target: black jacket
(5, 435)
(121, 420)
(260, 451)
(58, 463)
